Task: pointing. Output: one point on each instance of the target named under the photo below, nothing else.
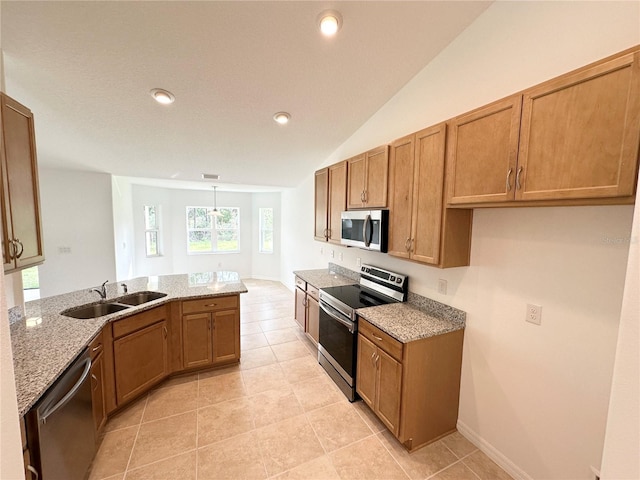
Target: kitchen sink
(93, 310)
(139, 298)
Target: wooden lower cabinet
(313, 318)
(211, 334)
(301, 308)
(140, 353)
(97, 392)
(413, 387)
(307, 309)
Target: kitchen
(526, 391)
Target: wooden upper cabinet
(580, 133)
(21, 219)
(421, 228)
(337, 199)
(482, 153)
(368, 176)
(321, 204)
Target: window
(151, 231)
(31, 284)
(208, 233)
(266, 230)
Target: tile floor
(276, 415)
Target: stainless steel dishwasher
(65, 427)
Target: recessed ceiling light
(162, 96)
(282, 118)
(330, 22)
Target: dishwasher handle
(63, 401)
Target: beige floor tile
(459, 445)
(287, 444)
(338, 425)
(181, 467)
(250, 328)
(303, 368)
(254, 340)
(457, 471)
(274, 406)
(224, 420)
(219, 388)
(317, 392)
(258, 357)
(216, 372)
(289, 350)
(319, 468)
(366, 460)
(165, 402)
(370, 418)
(160, 439)
(284, 335)
(130, 416)
(484, 467)
(260, 379)
(119, 476)
(421, 463)
(114, 453)
(277, 324)
(179, 380)
(238, 458)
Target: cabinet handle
(373, 359)
(411, 245)
(365, 196)
(12, 249)
(362, 196)
(164, 331)
(518, 185)
(509, 179)
(95, 349)
(377, 338)
(406, 244)
(328, 233)
(21, 248)
(93, 377)
(304, 302)
(210, 305)
(377, 359)
(34, 471)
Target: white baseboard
(260, 277)
(492, 452)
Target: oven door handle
(347, 323)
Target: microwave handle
(367, 226)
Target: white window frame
(262, 229)
(152, 230)
(214, 231)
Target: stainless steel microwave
(365, 229)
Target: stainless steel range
(337, 346)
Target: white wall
(174, 258)
(76, 214)
(622, 440)
(123, 227)
(266, 265)
(533, 397)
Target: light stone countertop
(324, 278)
(45, 343)
(406, 322)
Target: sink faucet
(102, 291)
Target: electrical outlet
(64, 250)
(332, 254)
(534, 314)
(358, 262)
(442, 286)
(341, 256)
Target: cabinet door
(377, 177)
(226, 336)
(140, 361)
(196, 340)
(427, 194)
(401, 172)
(21, 203)
(580, 133)
(483, 150)
(366, 372)
(97, 392)
(337, 199)
(313, 318)
(321, 204)
(300, 312)
(356, 172)
(389, 390)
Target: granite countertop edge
(407, 323)
(45, 343)
(324, 278)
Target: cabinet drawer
(96, 346)
(301, 283)
(313, 291)
(383, 340)
(136, 322)
(210, 304)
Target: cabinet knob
(508, 186)
(518, 185)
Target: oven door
(337, 346)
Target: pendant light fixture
(215, 212)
